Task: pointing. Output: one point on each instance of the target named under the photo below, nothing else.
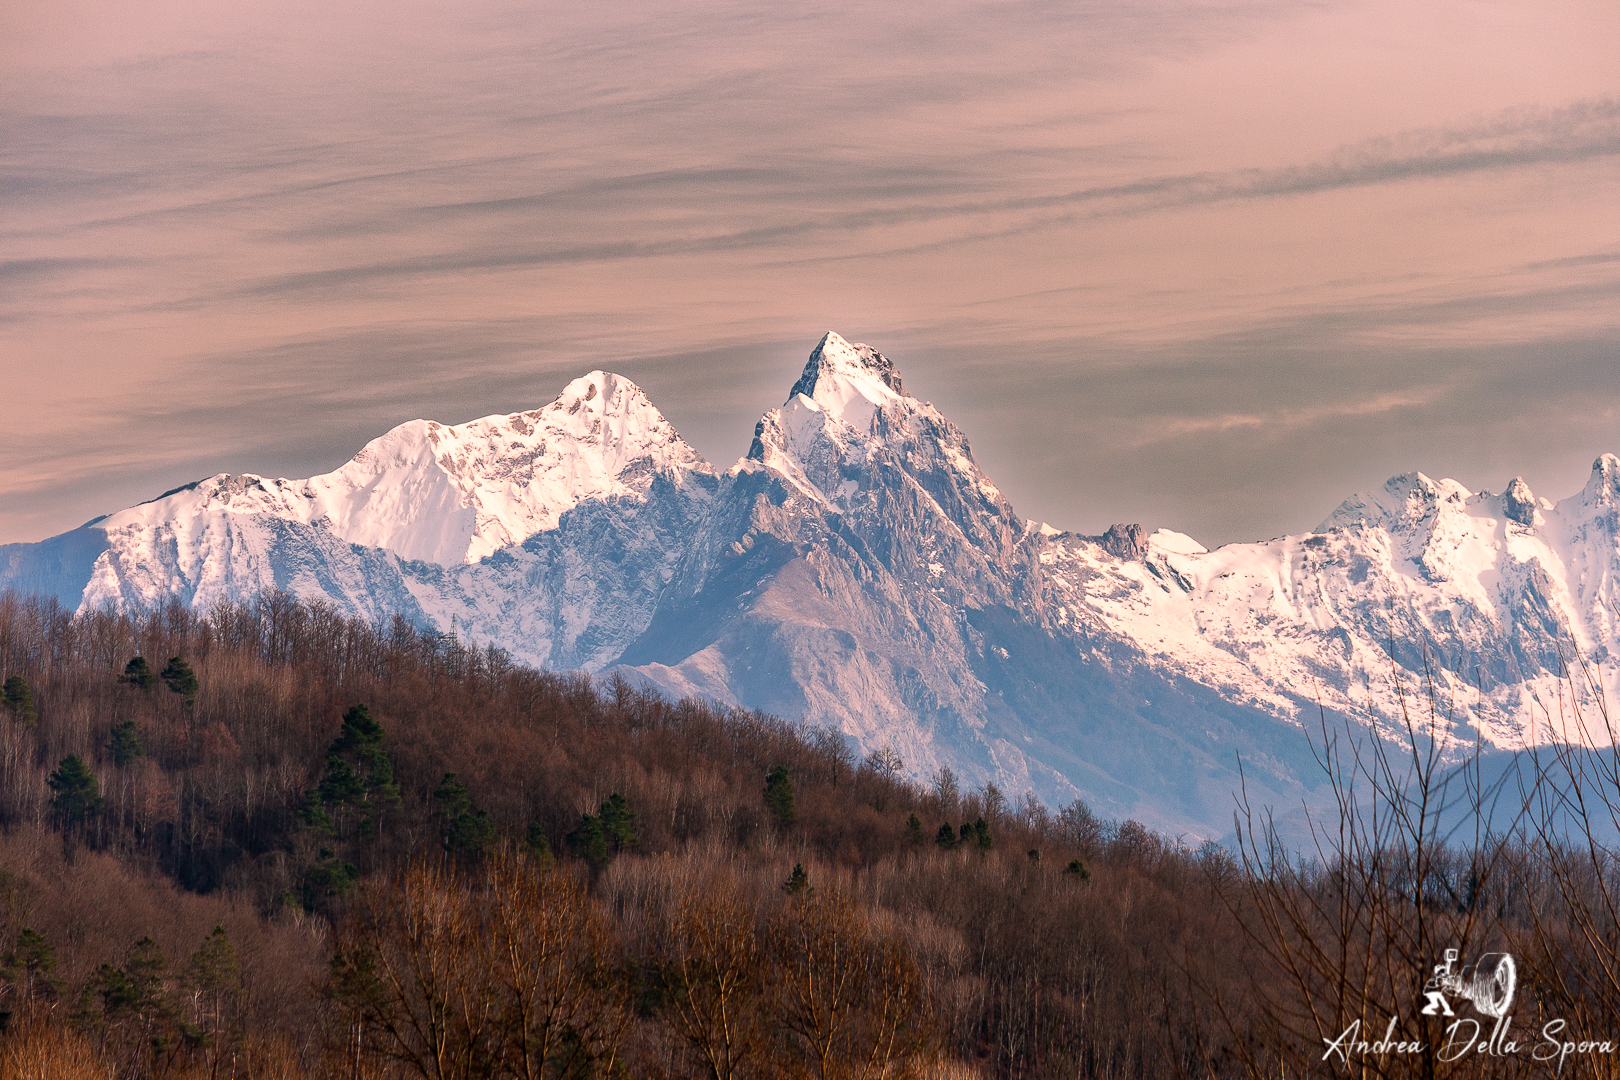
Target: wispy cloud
(1280, 421)
(253, 239)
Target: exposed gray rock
(1124, 541)
(1518, 504)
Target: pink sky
(1207, 266)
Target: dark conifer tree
(19, 700)
(312, 812)
(588, 842)
(139, 673)
(328, 878)
(359, 778)
(213, 974)
(126, 745)
(178, 677)
(779, 795)
(914, 830)
(946, 837)
(981, 834)
(76, 795)
(452, 797)
(798, 882)
(466, 830)
(539, 846)
(113, 991)
(29, 965)
(618, 823)
(141, 989)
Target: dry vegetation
(259, 879)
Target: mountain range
(857, 569)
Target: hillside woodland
(269, 841)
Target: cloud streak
(236, 241)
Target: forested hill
(272, 842)
(199, 810)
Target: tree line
(267, 840)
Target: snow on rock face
(1489, 595)
(455, 494)
(858, 569)
(1518, 503)
(828, 418)
(849, 414)
(1603, 486)
(849, 381)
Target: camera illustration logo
(1489, 984)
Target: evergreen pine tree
(19, 701)
(139, 673)
(474, 833)
(328, 878)
(452, 797)
(539, 846)
(618, 823)
(30, 963)
(116, 993)
(466, 830)
(213, 973)
(1078, 869)
(981, 833)
(145, 988)
(798, 883)
(76, 796)
(312, 812)
(914, 831)
(359, 778)
(126, 745)
(946, 837)
(588, 841)
(178, 677)
(213, 966)
(779, 795)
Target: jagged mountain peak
(1603, 486)
(848, 380)
(1519, 502)
(848, 413)
(1402, 501)
(453, 494)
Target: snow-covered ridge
(858, 568)
(458, 493)
(1491, 594)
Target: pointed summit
(1519, 503)
(848, 381)
(1603, 486)
(833, 354)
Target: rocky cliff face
(857, 569)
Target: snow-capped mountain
(858, 569)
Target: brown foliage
(850, 999)
(684, 958)
(509, 971)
